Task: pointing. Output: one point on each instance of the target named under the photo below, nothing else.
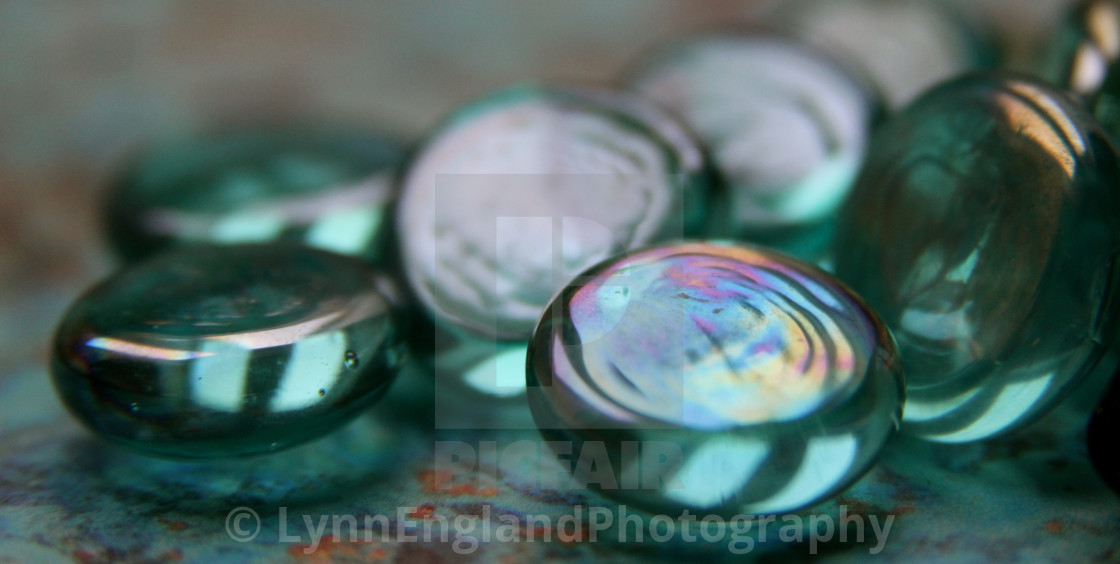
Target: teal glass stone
(984, 228)
(1084, 58)
(761, 383)
(519, 191)
(785, 125)
(329, 189)
(904, 46)
(216, 351)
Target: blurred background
(86, 85)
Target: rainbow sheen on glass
(328, 189)
(775, 384)
(518, 192)
(985, 229)
(786, 127)
(215, 351)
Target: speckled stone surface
(67, 496)
(82, 86)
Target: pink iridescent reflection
(709, 336)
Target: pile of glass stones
(650, 263)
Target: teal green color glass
(1084, 58)
(786, 127)
(905, 46)
(325, 188)
(984, 228)
(714, 378)
(213, 351)
(516, 193)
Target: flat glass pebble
(520, 191)
(327, 189)
(984, 228)
(213, 351)
(772, 384)
(785, 125)
(906, 46)
(1084, 58)
(1103, 434)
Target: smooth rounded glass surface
(985, 229)
(1084, 58)
(905, 46)
(786, 128)
(218, 351)
(327, 189)
(769, 385)
(520, 191)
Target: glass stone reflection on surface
(1084, 58)
(785, 125)
(217, 351)
(773, 385)
(328, 189)
(520, 191)
(984, 229)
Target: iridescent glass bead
(518, 192)
(328, 189)
(984, 228)
(1104, 437)
(764, 383)
(785, 125)
(1084, 58)
(210, 351)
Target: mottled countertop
(84, 85)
